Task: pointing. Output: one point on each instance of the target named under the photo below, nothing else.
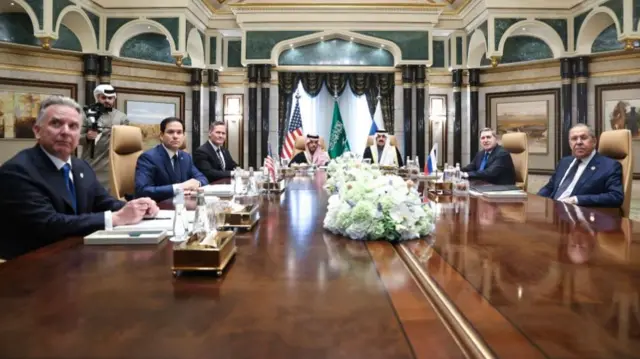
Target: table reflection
(552, 270)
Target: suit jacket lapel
(591, 168)
(80, 184)
(215, 157)
(53, 177)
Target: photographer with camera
(96, 132)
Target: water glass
(217, 212)
(284, 162)
(366, 161)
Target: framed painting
(536, 113)
(20, 103)
(147, 108)
(438, 132)
(617, 107)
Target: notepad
(104, 237)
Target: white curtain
(317, 114)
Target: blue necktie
(571, 173)
(176, 167)
(483, 164)
(70, 187)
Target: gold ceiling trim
(408, 6)
(460, 8)
(214, 10)
(338, 5)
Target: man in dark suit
(586, 178)
(163, 170)
(213, 160)
(47, 195)
(493, 164)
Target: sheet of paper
(219, 189)
(163, 220)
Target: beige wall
(18, 62)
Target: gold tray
(277, 187)
(286, 172)
(441, 198)
(245, 219)
(439, 186)
(190, 256)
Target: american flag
(295, 131)
(268, 162)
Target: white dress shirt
(581, 168)
(108, 222)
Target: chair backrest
(391, 138)
(518, 146)
(617, 145)
(300, 145)
(126, 147)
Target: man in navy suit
(586, 178)
(493, 164)
(164, 169)
(212, 159)
(47, 195)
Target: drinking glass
(217, 214)
(284, 162)
(367, 161)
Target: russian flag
(432, 160)
(377, 123)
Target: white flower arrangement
(365, 204)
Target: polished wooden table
(512, 280)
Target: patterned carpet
(537, 181)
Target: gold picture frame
(147, 108)
(535, 112)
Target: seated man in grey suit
(213, 160)
(47, 195)
(493, 163)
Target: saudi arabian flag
(338, 142)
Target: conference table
(525, 279)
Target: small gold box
(245, 219)
(278, 186)
(286, 172)
(440, 187)
(191, 256)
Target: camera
(93, 114)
